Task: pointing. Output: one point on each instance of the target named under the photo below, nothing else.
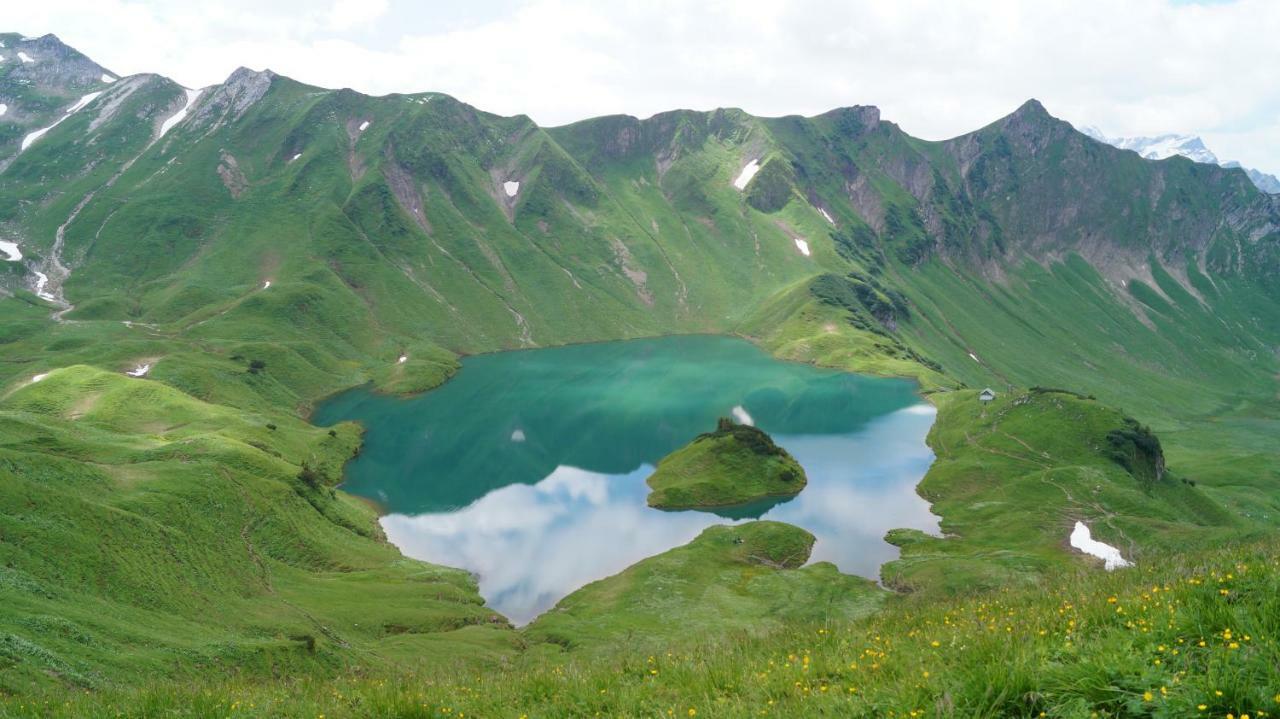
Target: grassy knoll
(733, 465)
(1182, 635)
(1011, 478)
(745, 578)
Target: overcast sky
(938, 69)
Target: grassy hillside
(1184, 635)
(733, 465)
(1012, 478)
(284, 242)
(148, 533)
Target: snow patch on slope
(42, 283)
(107, 78)
(803, 246)
(140, 371)
(511, 187)
(11, 250)
(25, 57)
(826, 215)
(1083, 540)
(747, 173)
(180, 115)
(26, 141)
(83, 101)
(3, 109)
(364, 126)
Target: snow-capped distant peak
(1267, 183)
(1166, 146)
(1188, 146)
(1094, 132)
(1157, 148)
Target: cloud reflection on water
(532, 544)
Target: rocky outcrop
(229, 101)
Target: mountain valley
(186, 275)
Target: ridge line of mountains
(145, 202)
(74, 71)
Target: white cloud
(936, 68)
(348, 14)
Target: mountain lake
(528, 467)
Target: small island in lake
(735, 464)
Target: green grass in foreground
(735, 464)
(1179, 636)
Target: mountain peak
(863, 117)
(1031, 109)
(244, 74)
(1031, 119)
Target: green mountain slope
(264, 243)
(148, 532)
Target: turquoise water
(528, 467)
